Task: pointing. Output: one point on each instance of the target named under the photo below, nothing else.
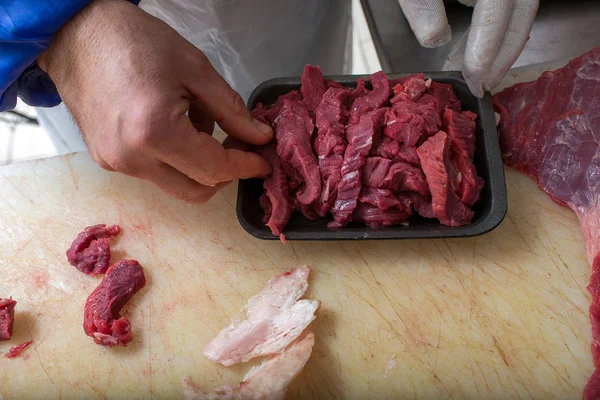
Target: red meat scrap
(373, 100)
(312, 89)
(7, 317)
(406, 122)
(445, 96)
(17, 349)
(90, 251)
(101, 312)
(268, 115)
(550, 130)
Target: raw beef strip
(444, 93)
(435, 161)
(312, 89)
(330, 144)
(403, 79)
(275, 318)
(269, 380)
(550, 130)
(17, 349)
(407, 121)
(293, 132)
(375, 99)
(422, 205)
(276, 200)
(389, 148)
(7, 317)
(374, 217)
(268, 115)
(359, 91)
(469, 184)
(460, 127)
(380, 198)
(396, 176)
(101, 312)
(90, 251)
(360, 139)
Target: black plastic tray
(489, 210)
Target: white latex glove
(499, 30)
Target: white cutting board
(503, 315)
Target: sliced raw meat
(359, 91)
(330, 144)
(374, 217)
(269, 380)
(360, 140)
(275, 318)
(268, 115)
(444, 93)
(550, 130)
(469, 184)
(406, 122)
(435, 161)
(101, 312)
(389, 148)
(312, 89)
(7, 317)
(380, 198)
(90, 251)
(460, 127)
(422, 205)
(375, 170)
(375, 99)
(403, 79)
(429, 100)
(276, 199)
(17, 350)
(415, 87)
(396, 176)
(293, 132)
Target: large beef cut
(102, 320)
(550, 130)
(7, 317)
(90, 251)
(275, 317)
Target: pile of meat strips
(372, 156)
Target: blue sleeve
(26, 30)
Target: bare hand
(128, 79)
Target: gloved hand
(499, 30)
(129, 80)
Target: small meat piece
(470, 184)
(422, 205)
(415, 87)
(374, 217)
(90, 251)
(312, 89)
(399, 94)
(444, 93)
(275, 201)
(17, 350)
(375, 99)
(428, 99)
(269, 380)
(101, 312)
(293, 132)
(7, 317)
(359, 91)
(330, 144)
(435, 161)
(268, 115)
(380, 198)
(460, 127)
(375, 171)
(275, 318)
(406, 122)
(389, 148)
(403, 177)
(403, 79)
(360, 140)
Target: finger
(200, 119)
(428, 21)
(488, 25)
(516, 35)
(233, 143)
(179, 185)
(225, 105)
(204, 159)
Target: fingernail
(262, 127)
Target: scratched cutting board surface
(502, 315)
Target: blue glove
(26, 30)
